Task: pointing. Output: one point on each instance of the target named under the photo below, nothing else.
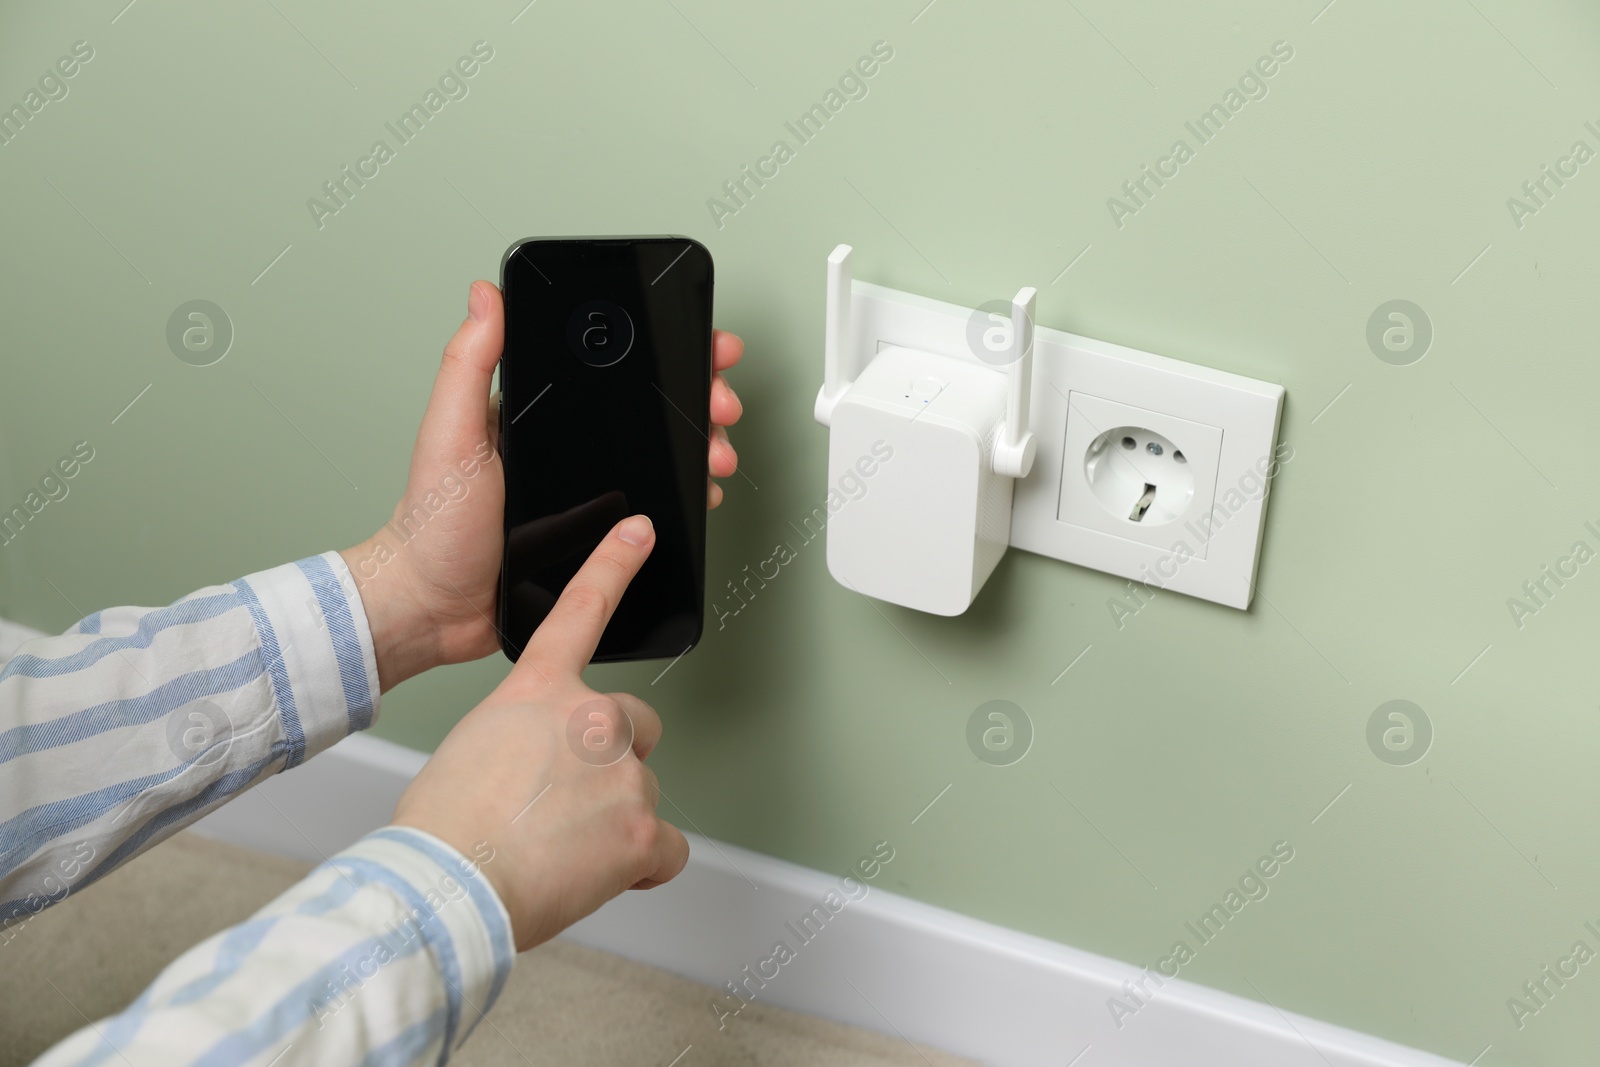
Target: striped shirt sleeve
(388, 953)
(138, 721)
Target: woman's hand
(429, 578)
(551, 774)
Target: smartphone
(605, 386)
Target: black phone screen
(604, 413)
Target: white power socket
(1134, 473)
(1205, 543)
(1191, 525)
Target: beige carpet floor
(95, 951)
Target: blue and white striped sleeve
(389, 953)
(138, 721)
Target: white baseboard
(884, 962)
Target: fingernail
(476, 303)
(636, 530)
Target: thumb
(460, 400)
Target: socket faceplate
(1212, 555)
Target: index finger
(565, 641)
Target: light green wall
(1191, 739)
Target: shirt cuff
(458, 912)
(317, 649)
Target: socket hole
(1142, 505)
(1135, 483)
